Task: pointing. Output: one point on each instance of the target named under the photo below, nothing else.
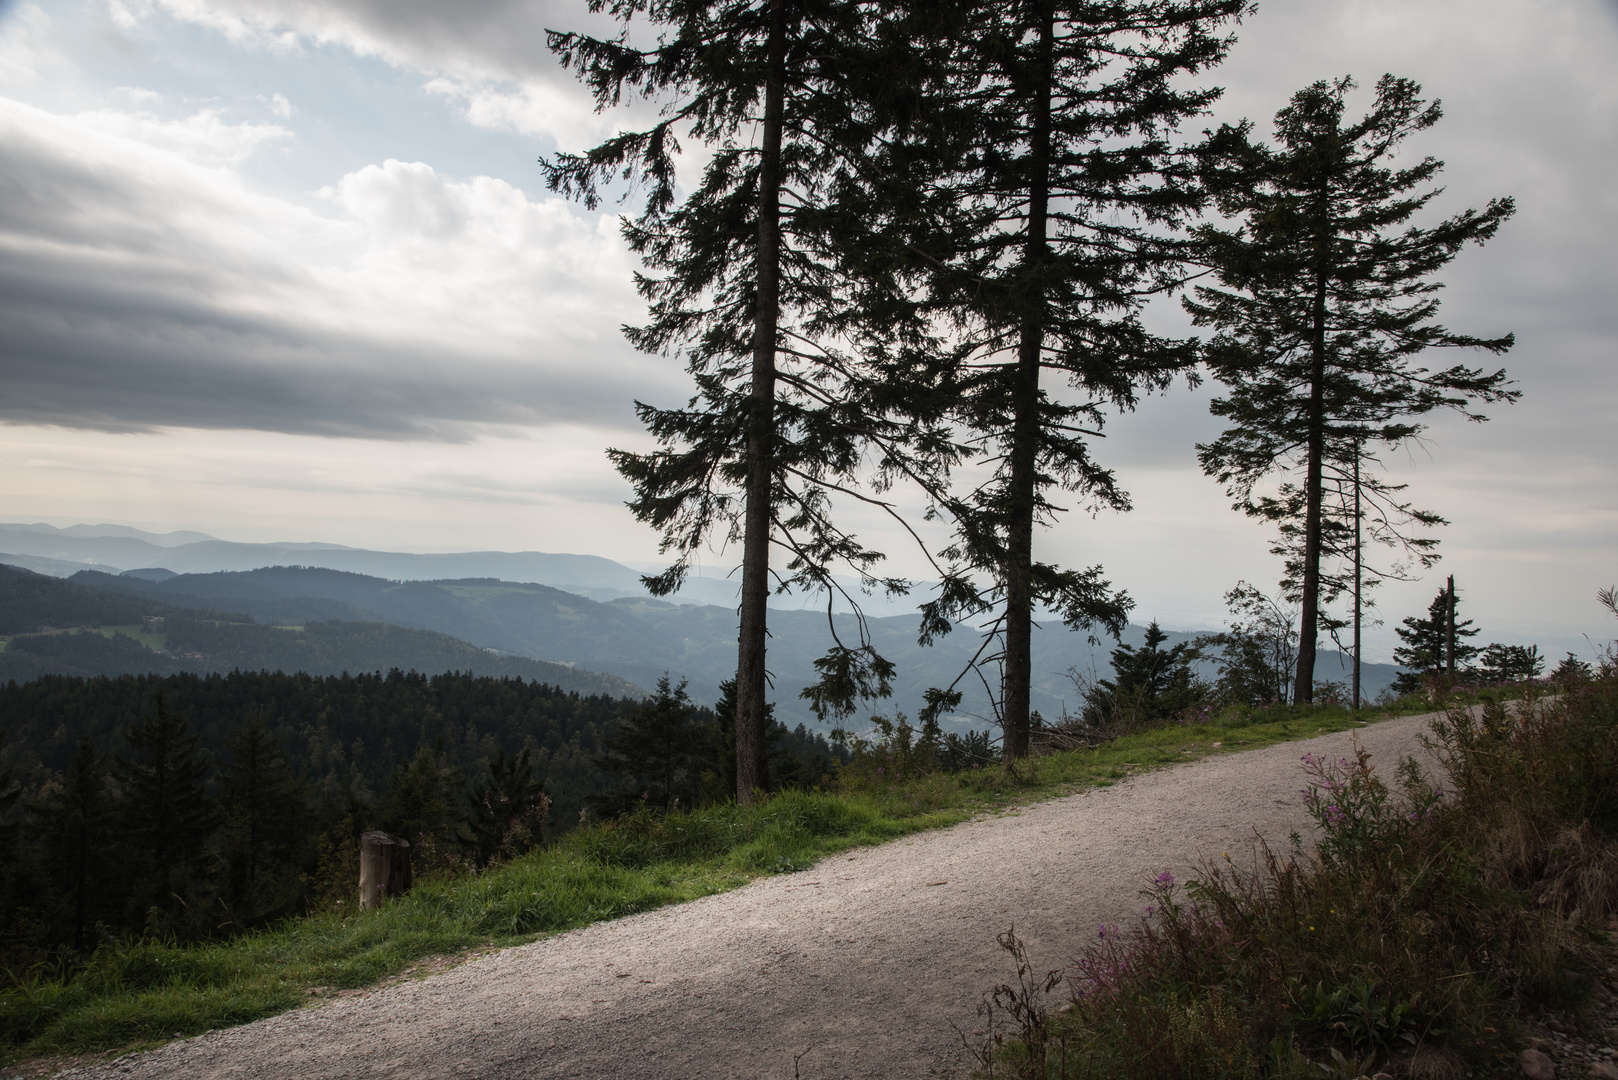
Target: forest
(215, 804)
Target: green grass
(140, 994)
(151, 641)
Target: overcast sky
(285, 270)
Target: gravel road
(860, 965)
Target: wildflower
(1165, 879)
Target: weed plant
(1411, 938)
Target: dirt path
(860, 965)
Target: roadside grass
(138, 994)
(1418, 933)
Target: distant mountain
(104, 546)
(39, 564)
(150, 573)
(169, 539)
(114, 633)
(640, 638)
(114, 549)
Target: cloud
(204, 138)
(144, 285)
(25, 58)
(488, 55)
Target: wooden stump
(384, 868)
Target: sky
(277, 270)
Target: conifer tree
(1425, 644)
(795, 400)
(12, 871)
(1046, 189)
(796, 757)
(1509, 663)
(1573, 671)
(660, 751)
(167, 816)
(260, 810)
(1325, 302)
(423, 799)
(10, 795)
(508, 807)
(1149, 684)
(75, 822)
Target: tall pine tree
(1325, 301)
(796, 401)
(75, 825)
(261, 809)
(1046, 189)
(167, 818)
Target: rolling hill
(75, 628)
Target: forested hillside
(31, 602)
(209, 804)
(111, 640)
(345, 735)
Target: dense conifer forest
(272, 777)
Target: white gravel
(861, 965)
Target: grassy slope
(144, 994)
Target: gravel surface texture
(862, 966)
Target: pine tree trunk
(1358, 574)
(1017, 666)
(751, 767)
(1449, 628)
(1303, 687)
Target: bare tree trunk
(1017, 665)
(752, 770)
(1449, 628)
(1303, 687)
(1357, 574)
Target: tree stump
(384, 868)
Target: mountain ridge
(639, 638)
